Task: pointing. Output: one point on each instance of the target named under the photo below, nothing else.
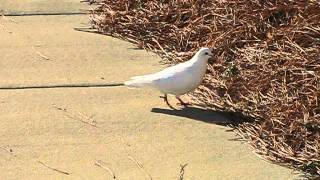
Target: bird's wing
(169, 74)
(176, 69)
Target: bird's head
(205, 54)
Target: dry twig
(57, 170)
(140, 166)
(82, 118)
(181, 175)
(40, 54)
(101, 164)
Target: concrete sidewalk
(93, 133)
(16, 7)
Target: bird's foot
(165, 98)
(182, 103)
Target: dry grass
(267, 65)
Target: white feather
(178, 79)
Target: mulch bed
(267, 63)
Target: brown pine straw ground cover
(267, 62)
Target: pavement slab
(95, 133)
(20, 7)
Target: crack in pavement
(83, 85)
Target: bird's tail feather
(138, 81)
(137, 77)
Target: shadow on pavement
(204, 115)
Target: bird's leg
(183, 103)
(165, 98)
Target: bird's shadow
(205, 115)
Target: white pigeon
(178, 79)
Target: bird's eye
(206, 53)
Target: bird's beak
(211, 56)
(210, 60)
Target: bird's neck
(197, 60)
